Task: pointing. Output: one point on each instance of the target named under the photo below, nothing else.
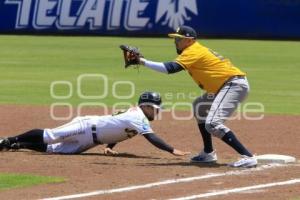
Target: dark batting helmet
(150, 98)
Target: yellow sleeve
(187, 59)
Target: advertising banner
(214, 18)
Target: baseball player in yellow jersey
(225, 85)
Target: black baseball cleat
(4, 144)
(15, 146)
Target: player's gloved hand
(109, 151)
(177, 152)
(131, 54)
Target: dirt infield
(140, 163)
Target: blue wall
(217, 18)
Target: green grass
(295, 198)
(8, 181)
(29, 64)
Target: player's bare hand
(109, 151)
(177, 152)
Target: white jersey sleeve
(138, 121)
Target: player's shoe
(15, 146)
(4, 144)
(245, 161)
(205, 157)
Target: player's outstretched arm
(159, 143)
(166, 67)
(109, 149)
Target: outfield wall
(214, 18)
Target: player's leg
(71, 138)
(32, 139)
(201, 106)
(225, 103)
(76, 145)
(38, 139)
(66, 132)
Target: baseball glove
(131, 54)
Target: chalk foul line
(237, 190)
(166, 182)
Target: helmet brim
(151, 104)
(176, 35)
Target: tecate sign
(106, 15)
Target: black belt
(237, 76)
(94, 133)
(230, 79)
(234, 77)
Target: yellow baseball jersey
(208, 69)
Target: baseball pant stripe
(210, 123)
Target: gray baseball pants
(215, 109)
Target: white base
(275, 158)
